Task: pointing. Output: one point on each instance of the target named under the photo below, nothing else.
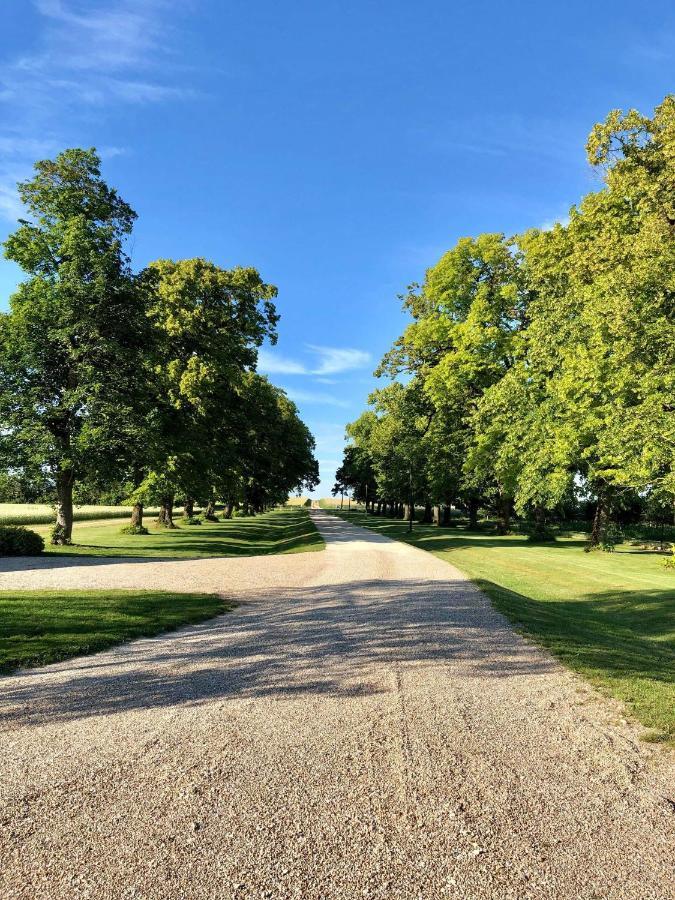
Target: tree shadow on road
(304, 643)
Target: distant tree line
(136, 386)
(539, 370)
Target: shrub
(668, 562)
(15, 540)
(134, 529)
(191, 520)
(57, 535)
(611, 536)
(539, 534)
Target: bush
(134, 529)
(191, 520)
(540, 534)
(15, 540)
(668, 562)
(611, 536)
(57, 535)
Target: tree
(72, 390)
(467, 320)
(210, 323)
(591, 394)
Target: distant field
(43, 513)
(298, 501)
(334, 503)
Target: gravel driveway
(362, 725)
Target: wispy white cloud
(275, 364)
(327, 361)
(90, 56)
(333, 360)
(315, 397)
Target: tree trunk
(504, 522)
(427, 518)
(137, 515)
(210, 513)
(165, 516)
(189, 508)
(473, 513)
(228, 510)
(447, 515)
(437, 515)
(63, 532)
(599, 519)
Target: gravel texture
(362, 725)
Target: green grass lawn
(279, 531)
(39, 627)
(608, 616)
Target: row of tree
(539, 370)
(145, 380)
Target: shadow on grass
(614, 634)
(281, 531)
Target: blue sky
(339, 147)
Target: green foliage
(191, 520)
(15, 540)
(611, 536)
(134, 529)
(541, 367)
(58, 534)
(72, 398)
(539, 533)
(115, 384)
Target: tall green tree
(73, 396)
(210, 322)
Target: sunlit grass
(39, 627)
(288, 530)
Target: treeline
(539, 370)
(137, 385)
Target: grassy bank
(39, 627)
(278, 531)
(608, 616)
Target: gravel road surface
(363, 725)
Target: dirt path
(363, 725)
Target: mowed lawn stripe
(285, 530)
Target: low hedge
(15, 540)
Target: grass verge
(288, 530)
(39, 627)
(608, 616)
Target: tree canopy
(142, 379)
(543, 365)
